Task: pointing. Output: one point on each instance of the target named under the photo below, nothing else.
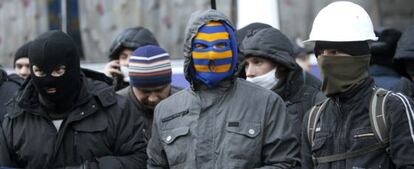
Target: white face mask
(267, 80)
(124, 71)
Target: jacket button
(251, 131)
(82, 113)
(93, 106)
(168, 138)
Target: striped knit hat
(149, 66)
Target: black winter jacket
(344, 126)
(8, 88)
(100, 129)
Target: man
(150, 82)
(383, 70)
(21, 64)
(345, 134)
(8, 89)
(241, 34)
(270, 63)
(62, 119)
(404, 57)
(122, 47)
(220, 121)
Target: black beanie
(22, 52)
(354, 48)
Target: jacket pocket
(176, 145)
(361, 138)
(243, 142)
(89, 139)
(319, 142)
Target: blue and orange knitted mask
(214, 53)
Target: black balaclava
(49, 50)
(22, 52)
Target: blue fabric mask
(214, 53)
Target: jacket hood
(132, 38)
(271, 44)
(405, 48)
(241, 34)
(197, 20)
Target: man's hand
(112, 69)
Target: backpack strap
(378, 125)
(313, 119)
(348, 155)
(377, 116)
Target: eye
(19, 66)
(220, 45)
(59, 71)
(200, 46)
(38, 72)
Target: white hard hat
(342, 21)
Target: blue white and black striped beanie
(149, 66)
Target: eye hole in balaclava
(56, 67)
(214, 53)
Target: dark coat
(100, 129)
(143, 111)
(389, 79)
(8, 88)
(344, 126)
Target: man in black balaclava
(56, 70)
(64, 120)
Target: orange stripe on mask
(212, 55)
(212, 23)
(210, 37)
(216, 69)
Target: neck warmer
(342, 73)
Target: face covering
(342, 73)
(49, 51)
(125, 71)
(214, 53)
(267, 80)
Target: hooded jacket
(101, 131)
(235, 125)
(299, 89)
(344, 126)
(131, 38)
(405, 47)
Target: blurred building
(94, 23)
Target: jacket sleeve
(5, 156)
(157, 159)
(305, 147)
(280, 146)
(129, 144)
(400, 117)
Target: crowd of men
(249, 104)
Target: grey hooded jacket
(235, 125)
(299, 90)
